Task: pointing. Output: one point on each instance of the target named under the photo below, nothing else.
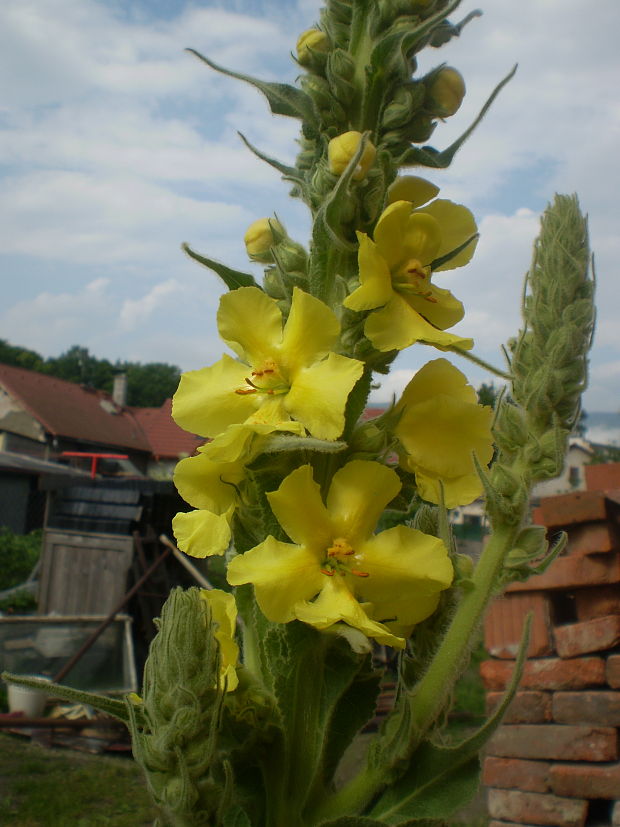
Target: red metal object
(94, 457)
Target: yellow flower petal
(390, 231)
(202, 533)
(457, 225)
(319, 393)
(298, 507)
(440, 428)
(336, 603)
(250, 323)
(310, 332)
(206, 403)
(439, 307)
(358, 493)
(398, 325)
(406, 571)
(417, 191)
(459, 491)
(422, 238)
(224, 613)
(282, 574)
(375, 280)
(206, 484)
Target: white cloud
(137, 311)
(390, 386)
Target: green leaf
(231, 278)
(427, 156)
(110, 706)
(283, 99)
(289, 173)
(441, 780)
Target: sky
(116, 146)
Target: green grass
(56, 788)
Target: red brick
(602, 476)
(598, 708)
(573, 571)
(592, 538)
(569, 509)
(526, 707)
(597, 602)
(559, 741)
(586, 780)
(588, 636)
(503, 625)
(537, 808)
(613, 671)
(546, 673)
(530, 776)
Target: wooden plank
(83, 573)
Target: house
(51, 419)
(572, 478)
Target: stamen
(328, 572)
(245, 391)
(360, 573)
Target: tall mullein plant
(253, 694)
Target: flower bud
(260, 237)
(342, 149)
(446, 92)
(312, 40)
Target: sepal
(231, 278)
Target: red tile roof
(70, 410)
(167, 440)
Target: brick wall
(555, 760)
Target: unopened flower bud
(312, 40)
(260, 237)
(343, 148)
(446, 92)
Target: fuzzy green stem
(481, 362)
(429, 697)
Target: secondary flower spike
(284, 374)
(395, 270)
(441, 427)
(336, 570)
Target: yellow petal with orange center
(406, 571)
(298, 507)
(358, 493)
(282, 574)
(318, 394)
(206, 402)
(310, 332)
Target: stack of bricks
(555, 760)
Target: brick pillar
(555, 759)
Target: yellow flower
(211, 487)
(343, 147)
(446, 92)
(286, 376)
(395, 269)
(335, 561)
(224, 614)
(259, 237)
(440, 428)
(312, 40)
